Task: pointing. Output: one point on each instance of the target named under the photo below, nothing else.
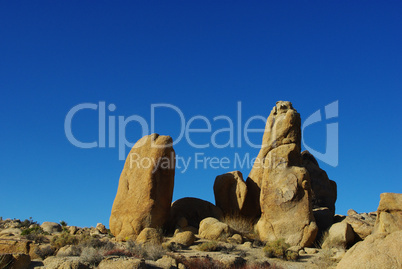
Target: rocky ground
(26, 244)
(366, 240)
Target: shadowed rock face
(230, 191)
(145, 189)
(324, 192)
(285, 190)
(194, 210)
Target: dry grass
(209, 246)
(45, 252)
(91, 256)
(324, 236)
(201, 263)
(240, 225)
(325, 260)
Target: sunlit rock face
(281, 181)
(145, 191)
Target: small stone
(311, 250)
(101, 228)
(351, 212)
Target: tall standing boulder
(145, 189)
(230, 191)
(285, 200)
(282, 128)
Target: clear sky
(203, 58)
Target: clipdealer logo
(238, 127)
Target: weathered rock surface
(14, 246)
(323, 191)
(282, 127)
(286, 209)
(362, 224)
(379, 250)
(51, 227)
(166, 262)
(10, 232)
(149, 236)
(194, 210)
(122, 264)
(340, 235)
(389, 213)
(101, 228)
(145, 189)
(54, 262)
(185, 238)
(213, 229)
(230, 192)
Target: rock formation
(362, 224)
(213, 229)
(193, 211)
(282, 128)
(230, 191)
(145, 189)
(286, 209)
(380, 250)
(340, 235)
(324, 192)
(389, 213)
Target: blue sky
(202, 57)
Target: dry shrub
(91, 256)
(262, 265)
(153, 252)
(201, 263)
(119, 252)
(45, 252)
(240, 225)
(324, 236)
(325, 260)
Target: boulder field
(286, 196)
(279, 195)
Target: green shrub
(291, 255)
(278, 249)
(209, 246)
(33, 230)
(26, 223)
(36, 234)
(63, 223)
(64, 239)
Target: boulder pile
(286, 198)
